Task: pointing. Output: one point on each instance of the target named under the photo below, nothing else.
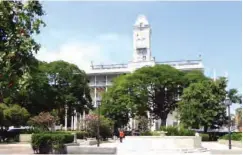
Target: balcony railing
(182, 63)
(92, 84)
(112, 66)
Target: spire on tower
(141, 21)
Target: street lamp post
(228, 102)
(98, 126)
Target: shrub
(31, 130)
(143, 124)
(106, 126)
(16, 115)
(171, 131)
(146, 133)
(45, 143)
(185, 132)
(175, 131)
(44, 120)
(234, 136)
(156, 133)
(82, 135)
(205, 136)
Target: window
(144, 57)
(175, 123)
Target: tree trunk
(163, 122)
(205, 129)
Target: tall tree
(194, 76)
(51, 86)
(36, 93)
(158, 87)
(19, 23)
(116, 103)
(234, 96)
(154, 89)
(70, 86)
(202, 104)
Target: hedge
(175, 131)
(149, 133)
(212, 136)
(82, 135)
(146, 133)
(234, 136)
(205, 137)
(45, 143)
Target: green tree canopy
(194, 76)
(52, 86)
(116, 104)
(19, 23)
(202, 104)
(70, 84)
(155, 89)
(14, 115)
(234, 96)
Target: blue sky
(80, 32)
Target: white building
(100, 76)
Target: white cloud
(77, 53)
(81, 53)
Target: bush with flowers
(106, 126)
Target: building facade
(100, 76)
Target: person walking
(121, 135)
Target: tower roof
(141, 21)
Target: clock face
(140, 39)
(140, 43)
(142, 51)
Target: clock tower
(141, 40)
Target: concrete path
(15, 149)
(128, 147)
(131, 147)
(220, 149)
(217, 146)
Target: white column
(80, 121)
(130, 123)
(66, 117)
(95, 93)
(149, 123)
(106, 83)
(75, 120)
(134, 123)
(84, 119)
(72, 122)
(153, 128)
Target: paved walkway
(217, 146)
(15, 149)
(128, 147)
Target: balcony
(100, 84)
(112, 66)
(184, 64)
